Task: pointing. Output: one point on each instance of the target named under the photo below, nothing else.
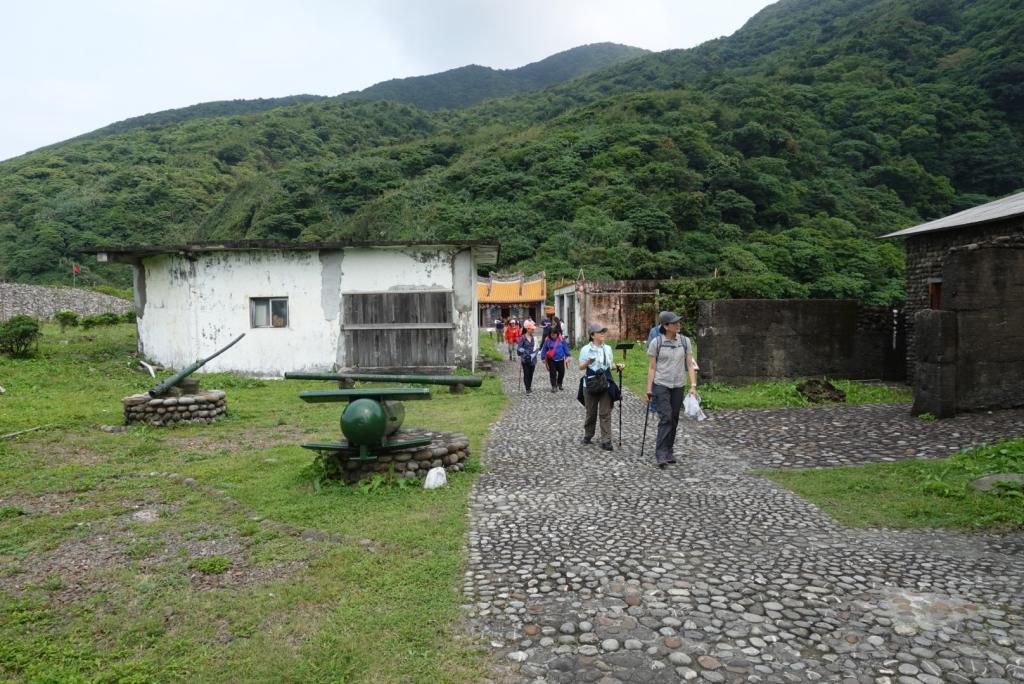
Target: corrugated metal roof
(1004, 208)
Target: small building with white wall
(307, 306)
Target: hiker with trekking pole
(670, 361)
(598, 391)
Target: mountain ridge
(772, 157)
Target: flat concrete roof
(1007, 207)
(486, 253)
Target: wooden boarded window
(398, 329)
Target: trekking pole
(520, 384)
(643, 440)
(620, 408)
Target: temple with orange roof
(510, 295)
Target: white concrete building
(307, 307)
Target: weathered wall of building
(925, 256)
(741, 341)
(41, 302)
(970, 354)
(198, 303)
(195, 304)
(625, 307)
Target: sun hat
(666, 317)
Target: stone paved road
(594, 566)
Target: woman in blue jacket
(527, 354)
(554, 352)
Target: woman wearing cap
(596, 357)
(670, 360)
(526, 354)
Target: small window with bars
(268, 312)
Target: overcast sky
(68, 67)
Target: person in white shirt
(598, 359)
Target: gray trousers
(670, 401)
(598, 405)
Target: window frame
(253, 302)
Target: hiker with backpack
(670, 360)
(555, 350)
(527, 355)
(598, 389)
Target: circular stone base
(446, 449)
(203, 407)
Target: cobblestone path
(588, 565)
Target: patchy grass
(112, 571)
(774, 394)
(920, 493)
(489, 346)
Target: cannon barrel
(464, 380)
(170, 382)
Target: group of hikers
(671, 374)
(553, 350)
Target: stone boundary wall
(741, 341)
(41, 302)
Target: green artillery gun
(370, 421)
(180, 378)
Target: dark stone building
(965, 309)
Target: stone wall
(925, 256)
(741, 341)
(626, 307)
(970, 354)
(204, 407)
(42, 302)
(446, 449)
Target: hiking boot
(586, 440)
(607, 446)
(554, 389)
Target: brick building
(965, 308)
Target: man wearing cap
(670, 360)
(596, 357)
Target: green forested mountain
(469, 85)
(771, 158)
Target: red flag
(74, 268)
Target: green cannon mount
(370, 421)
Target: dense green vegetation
(766, 163)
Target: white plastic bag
(691, 408)
(435, 478)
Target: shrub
(128, 317)
(67, 319)
(102, 319)
(18, 334)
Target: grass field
(920, 493)
(109, 573)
